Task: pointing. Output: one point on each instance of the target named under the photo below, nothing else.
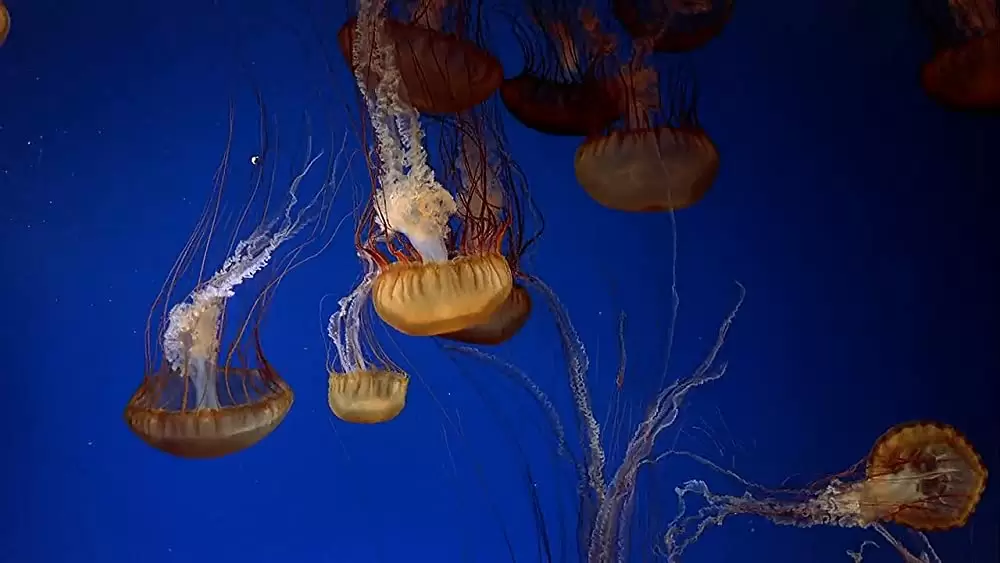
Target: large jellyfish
(421, 288)
(441, 67)
(491, 190)
(564, 87)
(206, 399)
(674, 26)
(661, 159)
(364, 385)
(922, 475)
(965, 71)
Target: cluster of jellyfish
(444, 229)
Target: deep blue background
(857, 214)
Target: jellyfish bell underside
(559, 108)
(923, 475)
(682, 33)
(367, 396)
(441, 73)
(164, 414)
(502, 325)
(658, 169)
(433, 298)
(966, 76)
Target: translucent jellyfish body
(923, 475)
(204, 415)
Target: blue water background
(857, 214)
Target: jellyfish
(564, 87)
(922, 475)
(673, 26)
(208, 399)
(661, 159)
(423, 287)
(362, 390)
(965, 70)
(4, 23)
(491, 189)
(440, 65)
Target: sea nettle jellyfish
(423, 287)
(4, 23)
(673, 26)
(922, 475)
(965, 70)
(491, 191)
(660, 159)
(365, 386)
(436, 47)
(563, 89)
(201, 398)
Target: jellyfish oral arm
(344, 328)
(421, 212)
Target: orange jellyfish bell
(674, 26)
(563, 89)
(964, 72)
(648, 165)
(441, 72)
(370, 396)
(429, 298)
(502, 325)
(924, 475)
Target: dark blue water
(857, 214)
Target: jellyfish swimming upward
(424, 285)
(201, 397)
(922, 475)
(964, 72)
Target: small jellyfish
(364, 385)
(922, 475)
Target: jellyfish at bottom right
(925, 476)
